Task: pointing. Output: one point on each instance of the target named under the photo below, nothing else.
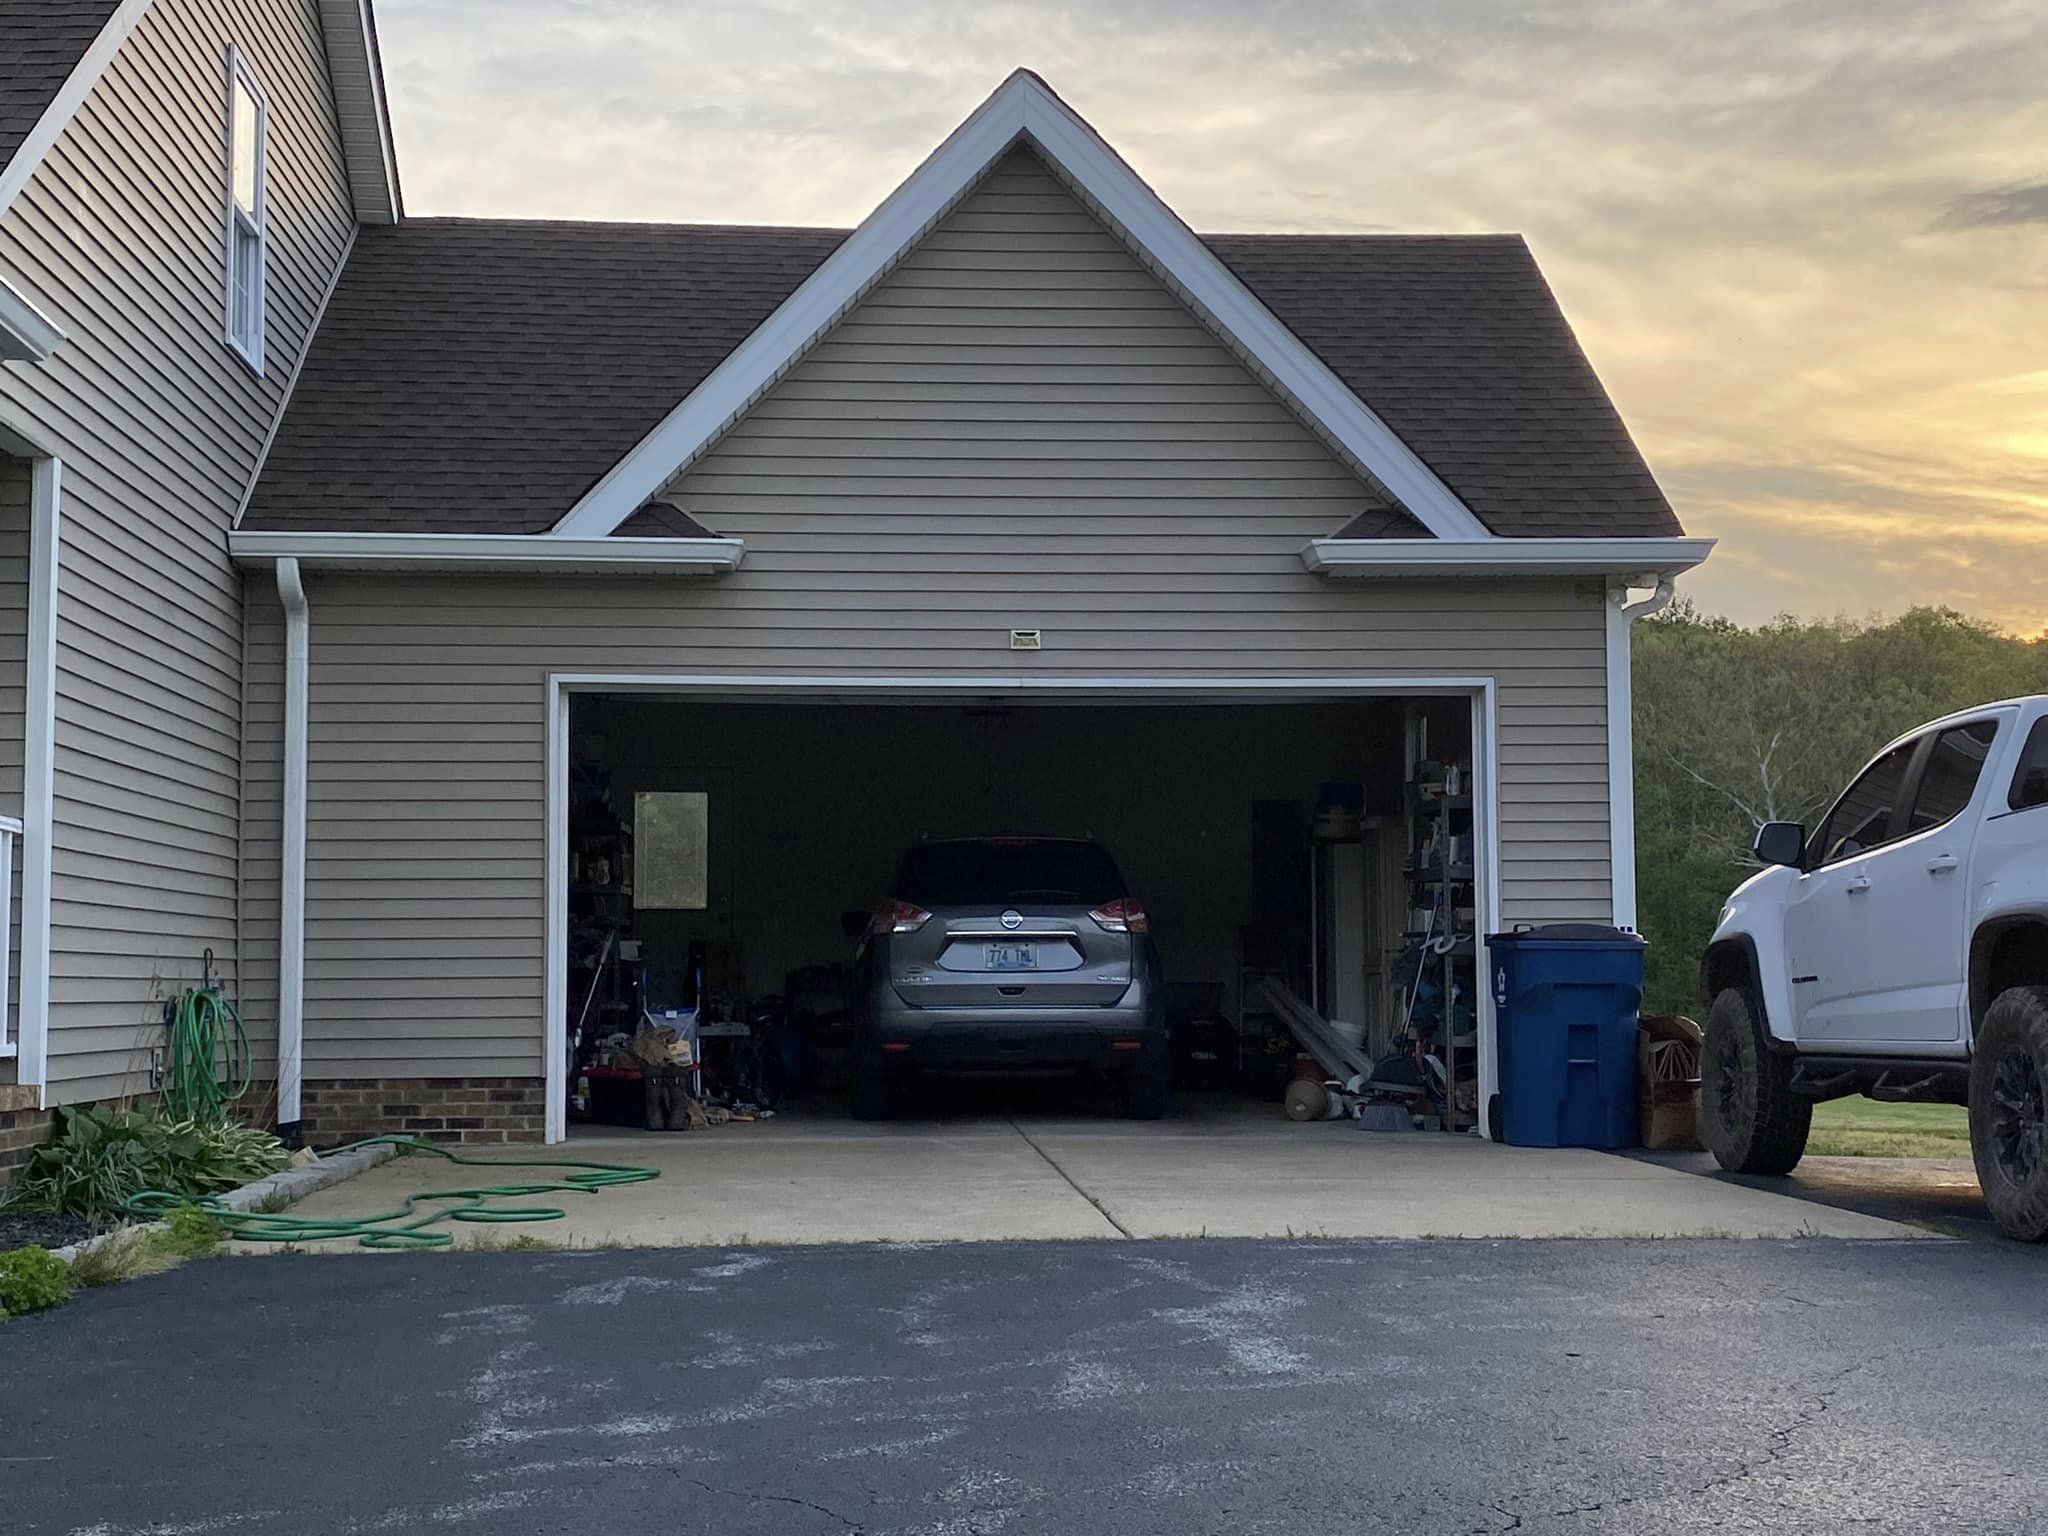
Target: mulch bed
(42, 1229)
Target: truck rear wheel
(1750, 1118)
(2009, 1111)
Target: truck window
(1953, 768)
(2030, 782)
(1862, 818)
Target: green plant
(32, 1279)
(188, 1233)
(101, 1157)
(127, 1254)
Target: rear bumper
(1015, 1039)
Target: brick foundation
(21, 1132)
(463, 1109)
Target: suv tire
(1750, 1118)
(1148, 1090)
(875, 1091)
(2008, 1102)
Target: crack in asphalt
(1778, 1443)
(855, 1526)
(1780, 1439)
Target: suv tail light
(894, 916)
(1124, 915)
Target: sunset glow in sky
(1805, 244)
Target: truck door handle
(1858, 885)
(1941, 863)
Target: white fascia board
(486, 551)
(861, 259)
(27, 335)
(1155, 229)
(14, 175)
(351, 33)
(1387, 558)
(1022, 108)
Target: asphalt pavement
(1087, 1387)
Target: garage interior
(722, 852)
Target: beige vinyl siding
(1019, 385)
(425, 908)
(120, 237)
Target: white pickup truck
(1899, 951)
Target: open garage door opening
(918, 906)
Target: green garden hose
(405, 1226)
(208, 1065)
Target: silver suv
(1009, 954)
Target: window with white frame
(248, 127)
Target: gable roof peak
(1024, 108)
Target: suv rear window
(962, 874)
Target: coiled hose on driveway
(408, 1226)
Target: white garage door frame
(770, 688)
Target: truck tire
(2009, 1111)
(1750, 1118)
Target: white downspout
(1656, 602)
(1621, 744)
(291, 921)
(39, 778)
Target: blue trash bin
(1566, 998)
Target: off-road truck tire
(2008, 1103)
(1750, 1118)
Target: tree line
(1738, 726)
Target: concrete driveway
(1224, 1169)
(1940, 1194)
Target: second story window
(247, 129)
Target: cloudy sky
(1805, 243)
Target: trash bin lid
(1568, 933)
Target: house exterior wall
(119, 237)
(426, 837)
(1019, 427)
(1019, 385)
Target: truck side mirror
(1781, 842)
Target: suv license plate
(1012, 957)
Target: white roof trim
(1022, 108)
(486, 551)
(27, 335)
(352, 58)
(14, 175)
(1505, 557)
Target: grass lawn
(1860, 1127)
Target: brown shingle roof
(481, 375)
(41, 42)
